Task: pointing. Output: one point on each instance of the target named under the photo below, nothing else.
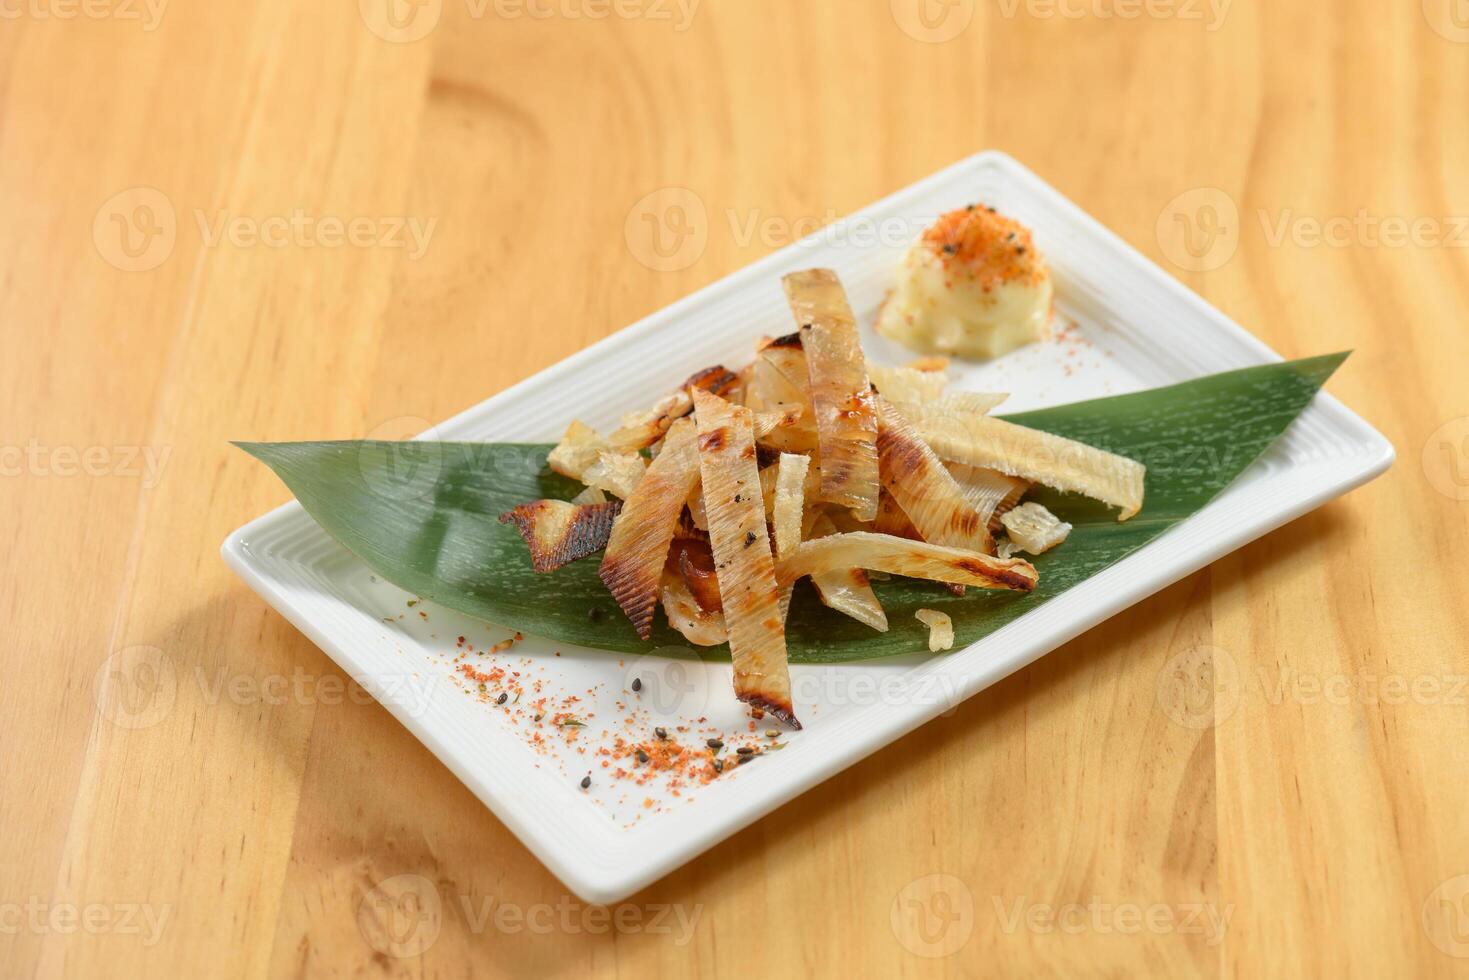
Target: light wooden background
(1329, 824)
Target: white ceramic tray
(1136, 328)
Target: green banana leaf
(425, 516)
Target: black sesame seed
(661, 732)
(637, 683)
(744, 750)
(949, 250)
(719, 765)
(749, 538)
(714, 743)
(595, 614)
(502, 698)
(642, 756)
(745, 758)
(586, 781)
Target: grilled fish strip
(558, 533)
(743, 562)
(899, 556)
(925, 491)
(990, 492)
(700, 626)
(847, 590)
(841, 395)
(790, 500)
(940, 629)
(642, 429)
(1063, 464)
(633, 566)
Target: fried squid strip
(926, 491)
(559, 533)
(790, 501)
(899, 556)
(892, 519)
(697, 516)
(766, 423)
(974, 403)
(906, 385)
(617, 473)
(590, 495)
(841, 395)
(701, 627)
(1073, 467)
(641, 429)
(847, 590)
(743, 562)
(940, 629)
(778, 382)
(577, 450)
(778, 375)
(691, 595)
(584, 455)
(777, 418)
(990, 492)
(810, 486)
(633, 566)
(694, 560)
(1034, 529)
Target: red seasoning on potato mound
(973, 286)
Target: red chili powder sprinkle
(642, 751)
(983, 245)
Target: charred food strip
(926, 492)
(559, 533)
(991, 443)
(632, 569)
(841, 395)
(642, 429)
(899, 556)
(847, 590)
(743, 563)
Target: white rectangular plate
(1136, 328)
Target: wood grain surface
(1259, 771)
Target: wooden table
(179, 266)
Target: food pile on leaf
(809, 463)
